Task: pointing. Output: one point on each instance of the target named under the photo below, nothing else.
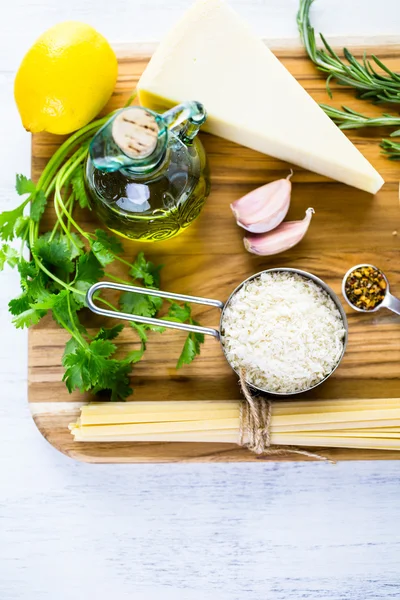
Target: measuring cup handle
(392, 303)
(108, 285)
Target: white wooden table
(251, 531)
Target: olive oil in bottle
(147, 174)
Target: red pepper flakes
(365, 287)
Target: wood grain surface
(349, 227)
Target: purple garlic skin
(285, 236)
(264, 208)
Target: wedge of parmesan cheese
(212, 56)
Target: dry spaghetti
(350, 423)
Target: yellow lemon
(65, 79)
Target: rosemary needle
(361, 75)
(391, 149)
(351, 119)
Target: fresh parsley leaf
(189, 352)
(77, 247)
(32, 305)
(83, 287)
(28, 318)
(89, 269)
(19, 305)
(38, 204)
(90, 368)
(78, 185)
(104, 256)
(21, 227)
(105, 247)
(140, 304)
(70, 347)
(8, 256)
(45, 304)
(135, 356)
(181, 314)
(109, 241)
(55, 252)
(191, 349)
(140, 328)
(109, 334)
(23, 185)
(146, 271)
(36, 288)
(8, 222)
(77, 375)
(199, 337)
(64, 310)
(104, 348)
(157, 328)
(27, 269)
(33, 281)
(114, 380)
(157, 302)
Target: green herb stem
(107, 303)
(122, 260)
(117, 279)
(62, 152)
(68, 205)
(61, 221)
(350, 119)
(55, 278)
(63, 176)
(361, 75)
(116, 256)
(77, 335)
(391, 149)
(89, 361)
(72, 333)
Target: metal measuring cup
(389, 301)
(216, 333)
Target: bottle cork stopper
(135, 131)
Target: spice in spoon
(365, 287)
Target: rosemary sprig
(351, 119)
(361, 75)
(391, 149)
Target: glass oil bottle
(147, 174)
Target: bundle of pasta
(320, 423)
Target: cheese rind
(212, 56)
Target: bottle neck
(135, 139)
(158, 162)
(142, 137)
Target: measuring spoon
(389, 301)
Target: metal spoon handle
(392, 303)
(103, 285)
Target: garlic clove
(285, 236)
(264, 208)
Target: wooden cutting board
(209, 260)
